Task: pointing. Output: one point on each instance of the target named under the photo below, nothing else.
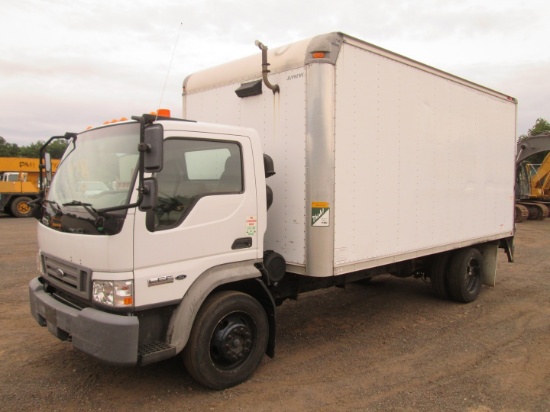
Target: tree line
(56, 149)
(541, 126)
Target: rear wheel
(438, 275)
(20, 207)
(227, 341)
(465, 275)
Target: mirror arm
(144, 147)
(141, 167)
(146, 187)
(42, 161)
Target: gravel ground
(387, 345)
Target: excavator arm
(540, 181)
(529, 184)
(532, 189)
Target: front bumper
(107, 337)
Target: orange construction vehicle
(19, 184)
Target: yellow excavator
(533, 180)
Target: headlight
(117, 293)
(39, 265)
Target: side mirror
(149, 194)
(269, 167)
(153, 148)
(48, 166)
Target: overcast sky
(65, 65)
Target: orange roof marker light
(122, 119)
(318, 55)
(160, 112)
(164, 112)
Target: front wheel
(465, 275)
(227, 341)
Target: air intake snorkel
(265, 70)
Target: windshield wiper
(55, 206)
(88, 207)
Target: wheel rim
(23, 208)
(232, 341)
(473, 274)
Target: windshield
(10, 177)
(97, 172)
(98, 168)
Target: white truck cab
(113, 279)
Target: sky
(66, 65)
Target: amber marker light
(318, 55)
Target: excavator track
(522, 213)
(537, 211)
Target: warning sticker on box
(320, 214)
(251, 225)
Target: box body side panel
(421, 162)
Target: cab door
(206, 215)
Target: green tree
(541, 126)
(8, 149)
(56, 149)
(32, 150)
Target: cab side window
(193, 169)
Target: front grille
(67, 276)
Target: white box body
(379, 158)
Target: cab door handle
(242, 243)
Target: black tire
(228, 340)
(20, 207)
(438, 275)
(465, 275)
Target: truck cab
(13, 177)
(125, 283)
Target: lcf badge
(320, 214)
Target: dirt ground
(388, 345)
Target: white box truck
(375, 164)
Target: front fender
(184, 315)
